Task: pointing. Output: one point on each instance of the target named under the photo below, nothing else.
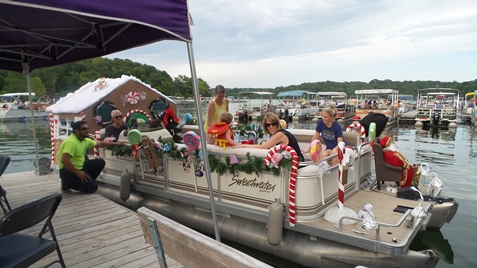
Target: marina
(267, 200)
(405, 143)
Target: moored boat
(246, 192)
(12, 108)
(344, 110)
(382, 101)
(437, 107)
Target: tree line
(61, 80)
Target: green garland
(253, 164)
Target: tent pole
(203, 140)
(26, 71)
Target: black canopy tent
(42, 33)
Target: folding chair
(4, 161)
(22, 250)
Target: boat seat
(4, 161)
(19, 249)
(384, 171)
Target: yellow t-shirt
(218, 110)
(76, 148)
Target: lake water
(452, 155)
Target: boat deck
(92, 230)
(393, 239)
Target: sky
(273, 43)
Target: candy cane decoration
(293, 175)
(341, 151)
(97, 137)
(356, 126)
(83, 116)
(136, 111)
(52, 138)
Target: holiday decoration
(97, 137)
(357, 127)
(315, 151)
(191, 140)
(271, 159)
(410, 173)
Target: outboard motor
(436, 118)
(244, 117)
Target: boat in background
(437, 107)
(248, 112)
(295, 104)
(473, 114)
(12, 107)
(380, 101)
(406, 103)
(344, 110)
(467, 106)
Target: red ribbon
(135, 150)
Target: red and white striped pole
(293, 176)
(97, 137)
(341, 148)
(52, 138)
(83, 116)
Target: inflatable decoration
(191, 140)
(372, 131)
(357, 127)
(187, 117)
(315, 151)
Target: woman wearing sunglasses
(271, 125)
(330, 131)
(112, 131)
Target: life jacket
(219, 130)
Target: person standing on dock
(218, 105)
(75, 172)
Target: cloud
(278, 43)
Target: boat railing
(379, 224)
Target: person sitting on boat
(75, 172)
(410, 173)
(271, 126)
(330, 131)
(218, 105)
(113, 130)
(222, 131)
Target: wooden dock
(92, 230)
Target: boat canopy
(255, 92)
(16, 94)
(332, 93)
(293, 93)
(376, 91)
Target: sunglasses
(119, 116)
(271, 124)
(84, 128)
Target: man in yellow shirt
(75, 172)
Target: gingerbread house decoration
(94, 101)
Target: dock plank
(92, 230)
